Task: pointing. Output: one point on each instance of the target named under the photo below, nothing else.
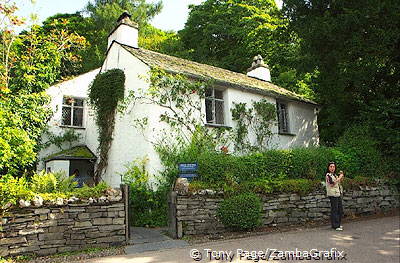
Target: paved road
(373, 240)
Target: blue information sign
(188, 167)
(188, 170)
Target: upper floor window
(72, 112)
(283, 121)
(215, 107)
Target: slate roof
(221, 76)
(75, 153)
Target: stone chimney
(126, 32)
(259, 69)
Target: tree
(355, 46)
(30, 63)
(40, 58)
(22, 120)
(71, 23)
(166, 42)
(218, 32)
(102, 17)
(8, 22)
(229, 33)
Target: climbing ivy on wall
(258, 119)
(68, 136)
(106, 91)
(183, 101)
(180, 97)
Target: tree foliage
(73, 24)
(355, 46)
(218, 32)
(102, 17)
(230, 33)
(96, 22)
(166, 42)
(30, 63)
(41, 56)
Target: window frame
(283, 120)
(213, 100)
(72, 107)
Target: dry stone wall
(56, 229)
(196, 212)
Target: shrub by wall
(149, 204)
(42, 188)
(241, 212)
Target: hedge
(307, 163)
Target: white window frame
(73, 106)
(213, 99)
(283, 117)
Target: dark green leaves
(106, 91)
(241, 212)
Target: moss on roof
(78, 152)
(230, 78)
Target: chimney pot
(259, 69)
(124, 15)
(126, 31)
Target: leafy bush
(12, 189)
(49, 186)
(262, 186)
(149, 204)
(216, 167)
(299, 186)
(91, 191)
(359, 153)
(310, 162)
(356, 182)
(241, 212)
(52, 183)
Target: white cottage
(297, 116)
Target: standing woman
(334, 191)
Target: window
(72, 112)
(283, 121)
(215, 107)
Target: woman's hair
(327, 168)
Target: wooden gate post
(172, 222)
(125, 195)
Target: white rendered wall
(130, 143)
(262, 73)
(76, 87)
(58, 166)
(302, 120)
(124, 34)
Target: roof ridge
(271, 87)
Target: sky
(172, 17)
